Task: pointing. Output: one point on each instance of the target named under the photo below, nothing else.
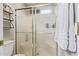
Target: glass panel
(45, 30)
(24, 43)
(24, 32)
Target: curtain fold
(72, 38)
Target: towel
(61, 33)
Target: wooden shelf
(7, 11)
(8, 19)
(7, 28)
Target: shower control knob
(53, 26)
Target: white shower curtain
(65, 28)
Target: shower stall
(35, 30)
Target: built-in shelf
(7, 11)
(8, 28)
(8, 25)
(8, 19)
(5, 6)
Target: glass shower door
(35, 29)
(45, 30)
(24, 32)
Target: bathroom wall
(43, 20)
(1, 28)
(1, 22)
